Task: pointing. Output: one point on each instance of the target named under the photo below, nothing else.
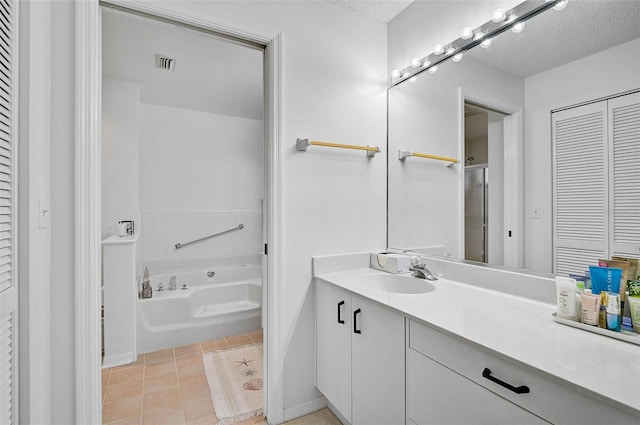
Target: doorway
(87, 150)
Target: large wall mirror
(493, 112)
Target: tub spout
(172, 283)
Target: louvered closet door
(580, 186)
(624, 192)
(8, 290)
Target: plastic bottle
(579, 289)
(613, 313)
(566, 297)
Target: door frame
(513, 173)
(88, 68)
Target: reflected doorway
(483, 184)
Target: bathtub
(211, 307)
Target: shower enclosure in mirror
(586, 52)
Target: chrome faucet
(172, 284)
(420, 270)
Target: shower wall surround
(181, 174)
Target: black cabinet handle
(522, 389)
(340, 304)
(355, 322)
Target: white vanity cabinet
(450, 381)
(360, 357)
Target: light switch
(43, 215)
(535, 212)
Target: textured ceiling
(555, 38)
(381, 10)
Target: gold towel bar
(303, 144)
(404, 154)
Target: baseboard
(305, 408)
(118, 360)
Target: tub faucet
(184, 285)
(172, 283)
(160, 287)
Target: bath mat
(235, 382)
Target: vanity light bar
(404, 154)
(481, 35)
(303, 144)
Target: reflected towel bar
(303, 144)
(403, 154)
(181, 245)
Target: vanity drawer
(547, 398)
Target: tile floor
(169, 387)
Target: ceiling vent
(163, 62)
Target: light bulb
(415, 62)
(518, 26)
(467, 33)
(450, 50)
(412, 79)
(485, 43)
(457, 57)
(395, 73)
(405, 75)
(426, 63)
(433, 69)
(560, 5)
(499, 15)
(438, 49)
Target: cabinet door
(437, 395)
(378, 384)
(333, 346)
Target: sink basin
(396, 284)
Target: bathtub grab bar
(181, 245)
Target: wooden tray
(627, 336)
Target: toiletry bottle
(613, 313)
(566, 297)
(147, 291)
(579, 290)
(602, 323)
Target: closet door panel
(624, 177)
(580, 187)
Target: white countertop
(518, 328)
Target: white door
(8, 289)
(624, 178)
(580, 224)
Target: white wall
(34, 243)
(334, 201)
(200, 173)
(605, 73)
(120, 128)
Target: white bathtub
(227, 304)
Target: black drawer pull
(340, 320)
(355, 322)
(522, 389)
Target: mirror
(501, 98)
